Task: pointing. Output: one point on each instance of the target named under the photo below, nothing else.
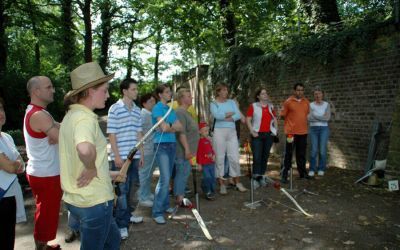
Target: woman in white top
(11, 201)
(225, 112)
(320, 114)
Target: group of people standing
(300, 119)
(69, 160)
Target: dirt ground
(345, 216)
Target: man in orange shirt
(295, 111)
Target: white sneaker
(136, 219)
(255, 184)
(321, 173)
(124, 233)
(222, 190)
(146, 203)
(263, 182)
(240, 187)
(311, 173)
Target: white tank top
(43, 157)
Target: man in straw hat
(85, 178)
(43, 169)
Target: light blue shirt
(125, 124)
(159, 110)
(219, 110)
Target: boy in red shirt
(206, 162)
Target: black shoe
(71, 236)
(210, 196)
(284, 181)
(306, 176)
(188, 191)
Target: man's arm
(141, 162)
(113, 142)
(87, 154)
(183, 140)
(42, 122)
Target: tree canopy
(51, 37)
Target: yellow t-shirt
(191, 110)
(80, 125)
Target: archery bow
(278, 186)
(133, 151)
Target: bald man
(43, 169)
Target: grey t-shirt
(190, 129)
(147, 123)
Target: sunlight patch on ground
(336, 157)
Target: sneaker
(321, 173)
(311, 173)
(210, 196)
(255, 184)
(170, 210)
(188, 191)
(263, 182)
(159, 220)
(54, 247)
(124, 233)
(240, 187)
(146, 203)
(222, 190)
(136, 219)
(71, 236)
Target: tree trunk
(157, 58)
(85, 8)
(32, 17)
(106, 16)
(228, 23)
(68, 36)
(129, 57)
(3, 39)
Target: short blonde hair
(181, 93)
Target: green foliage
(17, 136)
(42, 38)
(248, 67)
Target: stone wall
(361, 88)
(394, 148)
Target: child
(206, 162)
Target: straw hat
(86, 76)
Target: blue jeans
(260, 146)
(319, 139)
(165, 156)
(208, 181)
(124, 207)
(182, 172)
(145, 177)
(97, 226)
(73, 222)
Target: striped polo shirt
(125, 124)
